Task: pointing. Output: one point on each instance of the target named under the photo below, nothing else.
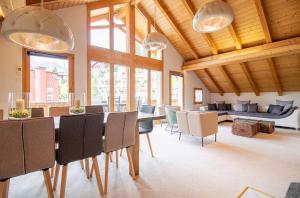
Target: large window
(99, 27)
(49, 79)
(141, 87)
(176, 89)
(120, 87)
(156, 88)
(100, 84)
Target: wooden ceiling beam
(275, 77)
(249, 78)
(214, 82)
(275, 49)
(189, 7)
(263, 20)
(234, 36)
(230, 80)
(171, 21)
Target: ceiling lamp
(155, 41)
(39, 29)
(213, 16)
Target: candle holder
(18, 104)
(77, 103)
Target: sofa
(290, 118)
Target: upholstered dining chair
(1, 114)
(146, 127)
(119, 133)
(26, 146)
(182, 122)
(37, 112)
(94, 109)
(171, 118)
(58, 111)
(80, 137)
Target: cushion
(244, 107)
(286, 109)
(277, 109)
(270, 108)
(220, 102)
(212, 107)
(252, 108)
(243, 102)
(228, 107)
(238, 107)
(222, 107)
(286, 104)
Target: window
(198, 96)
(99, 27)
(141, 87)
(100, 79)
(120, 31)
(49, 77)
(176, 89)
(156, 88)
(120, 87)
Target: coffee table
(243, 127)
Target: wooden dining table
(135, 149)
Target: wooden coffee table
(245, 128)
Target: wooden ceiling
(259, 52)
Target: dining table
(135, 149)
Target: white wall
(264, 99)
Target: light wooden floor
(185, 169)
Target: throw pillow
(270, 108)
(244, 107)
(286, 104)
(243, 102)
(238, 107)
(212, 107)
(220, 102)
(228, 107)
(252, 108)
(285, 110)
(222, 107)
(277, 109)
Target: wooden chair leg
(117, 159)
(52, 171)
(63, 181)
(87, 167)
(4, 188)
(149, 142)
(98, 177)
(57, 169)
(106, 173)
(81, 164)
(110, 156)
(48, 183)
(130, 163)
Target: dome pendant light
(213, 16)
(38, 29)
(155, 41)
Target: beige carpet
(185, 169)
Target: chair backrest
(203, 124)
(1, 114)
(70, 139)
(37, 112)
(93, 134)
(120, 130)
(171, 116)
(94, 109)
(26, 146)
(11, 149)
(39, 144)
(147, 124)
(58, 111)
(182, 121)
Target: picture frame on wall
(198, 95)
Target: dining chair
(146, 127)
(58, 111)
(26, 146)
(120, 131)
(80, 137)
(37, 112)
(94, 109)
(1, 114)
(171, 118)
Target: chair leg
(117, 159)
(87, 167)
(48, 183)
(92, 171)
(215, 137)
(121, 152)
(57, 169)
(4, 188)
(180, 135)
(52, 171)
(98, 177)
(63, 181)
(202, 141)
(130, 163)
(172, 129)
(81, 164)
(110, 156)
(106, 172)
(149, 142)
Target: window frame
(180, 74)
(195, 90)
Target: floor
(183, 168)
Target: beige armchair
(203, 124)
(182, 122)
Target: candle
(77, 103)
(20, 105)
